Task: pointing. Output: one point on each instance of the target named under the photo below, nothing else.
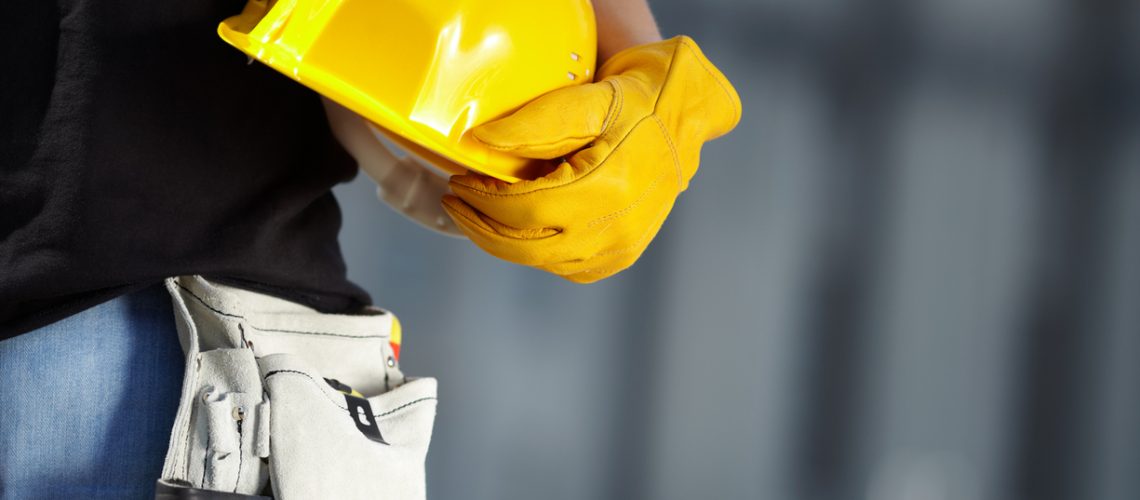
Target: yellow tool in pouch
(426, 71)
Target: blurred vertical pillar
(722, 391)
(1069, 325)
(1113, 459)
(960, 233)
(862, 55)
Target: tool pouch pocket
(224, 423)
(258, 417)
(329, 444)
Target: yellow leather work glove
(633, 141)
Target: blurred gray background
(912, 272)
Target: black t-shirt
(135, 144)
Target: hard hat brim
(447, 144)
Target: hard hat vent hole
(464, 67)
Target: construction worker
(135, 146)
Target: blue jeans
(87, 403)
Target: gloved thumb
(556, 124)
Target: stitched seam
(701, 63)
(636, 246)
(672, 150)
(241, 443)
(649, 231)
(616, 106)
(635, 204)
(515, 147)
(255, 327)
(205, 460)
(619, 103)
(405, 405)
(478, 226)
(676, 162)
(325, 334)
(208, 306)
(610, 118)
(598, 270)
(657, 101)
(345, 408)
(310, 377)
(583, 176)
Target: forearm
(623, 24)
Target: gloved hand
(641, 126)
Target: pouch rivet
(239, 413)
(391, 362)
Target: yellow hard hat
(426, 71)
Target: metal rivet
(571, 76)
(574, 56)
(239, 413)
(391, 362)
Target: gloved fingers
(696, 101)
(629, 149)
(720, 94)
(529, 247)
(553, 201)
(591, 271)
(626, 243)
(468, 216)
(555, 124)
(599, 266)
(578, 190)
(563, 174)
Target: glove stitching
(676, 163)
(648, 234)
(638, 246)
(618, 102)
(455, 183)
(537, 145)
(625, 211)
(614, 215)
(611, 116)
(672, 150)
(728, 95)
(478, 227)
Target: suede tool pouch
(330, 443)
(279, 399)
